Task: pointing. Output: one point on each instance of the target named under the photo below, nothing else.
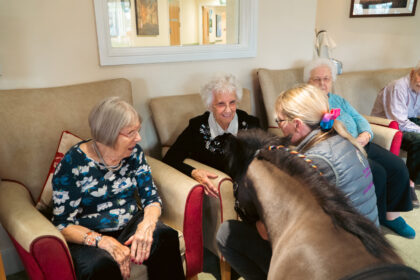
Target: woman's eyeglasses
(132, 134)
(279, 121)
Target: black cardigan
(195, 143)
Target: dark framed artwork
(382, 8)
(147, 23)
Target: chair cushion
(44, 203)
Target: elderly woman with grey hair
(390, 175)
(95, 207)
(203, 140)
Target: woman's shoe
(414, 198)
(401, 227)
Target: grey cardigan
(345, 166)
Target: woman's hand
(363, 138)
(119, 252)
(141, 241)
(203, 177)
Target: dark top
(195, 143)
(88, 194)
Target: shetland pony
(314, 231)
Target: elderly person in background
(390, 175)
(95, 207)
(303, 116)
(400, 101)
(202, 139)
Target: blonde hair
(309, 104)
(108, 117)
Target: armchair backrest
(172, 113)
(359, 88)
(32, 121)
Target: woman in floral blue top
(95, 207)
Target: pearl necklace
(98, 153)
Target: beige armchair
(171, 115)
(359, 89)
(32, 121)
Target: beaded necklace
(101, 159)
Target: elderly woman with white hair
(95, 207)
(390, 175)
(202, 140)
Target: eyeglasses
(319, 79)
(279, 121)
(132, 134)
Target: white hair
(317, 63)
(220, 83)
(108, 117)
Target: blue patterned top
(88, 194)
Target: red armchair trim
(192, 229)
(48, 258)
(396, 143)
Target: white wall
(370, 42)
(52, 43)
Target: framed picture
(218, 26)
(382, 8)
(147, 23)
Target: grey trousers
(244, 249)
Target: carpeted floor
(408, 249)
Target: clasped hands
(140, 241)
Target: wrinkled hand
(363, 138)
(262, 230)
(119, 252)
(203, 177)
(141, 241)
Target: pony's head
(239, 152)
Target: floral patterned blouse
(86, 193)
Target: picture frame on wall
(382, 8)
(147, 22)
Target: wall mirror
(151, 31)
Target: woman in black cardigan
(202, 140)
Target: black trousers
(392, 183)
(411, 143)
(164, 261)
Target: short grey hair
(317, 63)
(223, 83)
(108, 117)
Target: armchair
(33, 120)
(169, 124)
(273, 82)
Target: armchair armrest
(182, 199)
(216, 211)
(388, 138)
(382, 121)
(42, 248)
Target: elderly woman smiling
(202, 140)
(95, 207)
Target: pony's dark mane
(242, 151)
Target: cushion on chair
(44, 202)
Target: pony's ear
(233, 152)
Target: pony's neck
(293, 202)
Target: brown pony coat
(314, 232)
